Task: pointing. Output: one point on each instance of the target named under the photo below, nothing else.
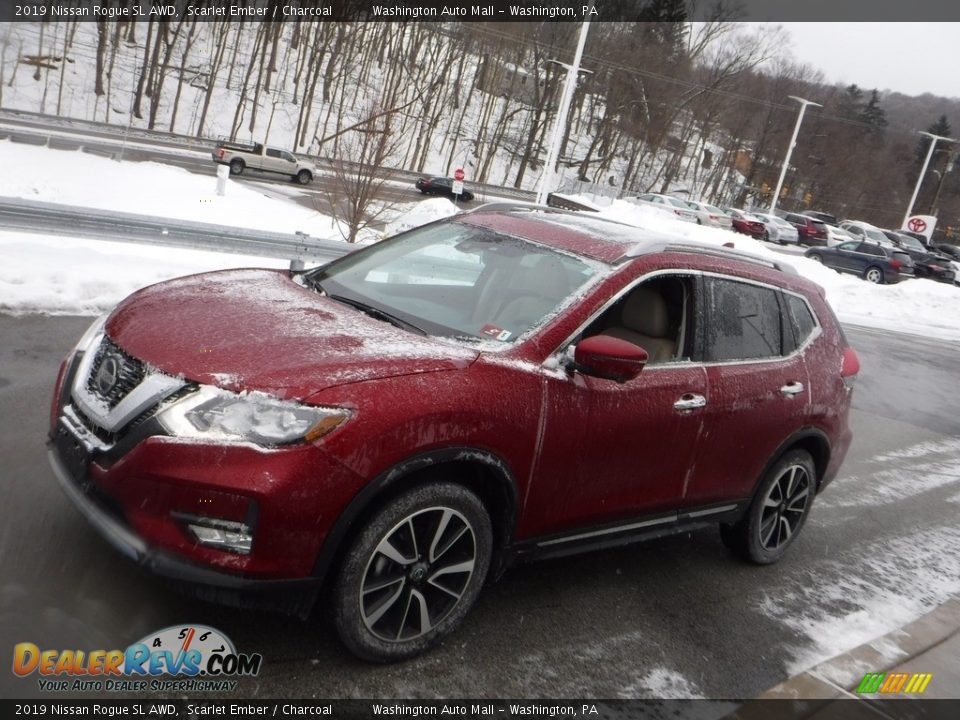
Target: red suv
(407, 421)
(810, 230)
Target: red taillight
(220, 153)
(850, 366)
(896, 264)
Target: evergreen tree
(872, 114)
(850, 104)
(941, 127)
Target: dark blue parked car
(873, 262)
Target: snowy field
(62, 275)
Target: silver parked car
(778, 230)
(669, 204)
(710, 215)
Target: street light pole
(926, 164)
(793, 141)
(546, 177)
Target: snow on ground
(921, 307)
(420, 214)
(907, 581)
(40, 273)
(932, 464)
(662, 683)
(72, 177)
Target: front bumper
(295, 596)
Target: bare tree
(360, 173)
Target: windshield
(911, 242)
(457, 280)
(875, 234)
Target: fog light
(228, 535)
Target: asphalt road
(672, 617)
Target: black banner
(477, 11)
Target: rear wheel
(778, 511)
(873, 274)
(304, 177)
(236, 166)
(413, 573)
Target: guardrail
(50, 218)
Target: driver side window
(657, 315)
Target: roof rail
(644, 248)
(506, 205)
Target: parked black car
(873, 262)
(951, 251)
(928, 264)
(442, 186)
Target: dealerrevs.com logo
(186, 658)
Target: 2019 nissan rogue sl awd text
(402, 424)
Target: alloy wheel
(417, 574)
(784, 507)
(874, 275)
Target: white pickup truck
(257, 157)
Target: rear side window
(903, 257)
(744, 322)
(801, 318)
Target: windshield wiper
(379, 314)
(314, 283)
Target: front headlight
(214, 414)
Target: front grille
(104, 436)
(113, 382)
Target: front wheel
(873, 275)
(816, 257)
(778, 511)
(413, 573)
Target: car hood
(261, 330)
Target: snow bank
(40, 273)
(421, 214)
(72, 177)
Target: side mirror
(609, 358)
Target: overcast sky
(911, 58)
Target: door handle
(792, 388)
(690, 401)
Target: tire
(466, 196)
(766, 236)
(236, 166)
(304, 177)
(816, 257)
(873, 274)
(778, 512)
(376, 593)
